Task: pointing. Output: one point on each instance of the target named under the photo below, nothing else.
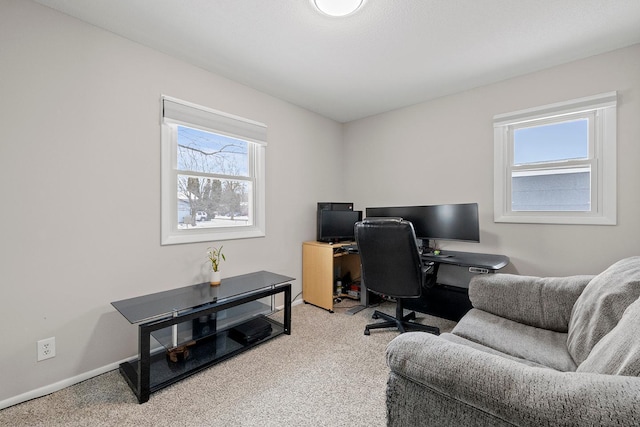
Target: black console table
(197, 326)
(447, 292)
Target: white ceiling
(389, 54)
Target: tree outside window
(213, 181)
(213, 174)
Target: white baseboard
(48, 389)
(294, 303)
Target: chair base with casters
(401, 322)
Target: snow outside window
(212, 174)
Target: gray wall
(442, 152)
(80, 181)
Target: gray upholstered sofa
(531, 352)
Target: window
(557, 163)
(212, 174)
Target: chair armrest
(512, 391)
(542, 302)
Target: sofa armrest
(542, 302)
(508, 390)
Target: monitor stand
(364, 301)
(356, 309)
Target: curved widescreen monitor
(437, 222)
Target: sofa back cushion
(601, 305)
(618, 352)
(541, 302)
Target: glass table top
(163, 304)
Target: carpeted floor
(326, 373)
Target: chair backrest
(389, 257)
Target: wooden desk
(448, 297)
(322, 264)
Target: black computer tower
(335, 206)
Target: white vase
(215, 278)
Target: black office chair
(391, 266)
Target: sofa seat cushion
(541, 346)
(600, 306)
(618, 352)
(434, 382)
(463, 341)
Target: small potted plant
(215, 256)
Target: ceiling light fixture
(337, 7)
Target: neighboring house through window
(557, 163)
(212, 174)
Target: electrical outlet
(46, 348)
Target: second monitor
(437, 222)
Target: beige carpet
(327, 373)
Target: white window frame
(176, 112)
(601, 111)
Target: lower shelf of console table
(225, 314)
(204, 353)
